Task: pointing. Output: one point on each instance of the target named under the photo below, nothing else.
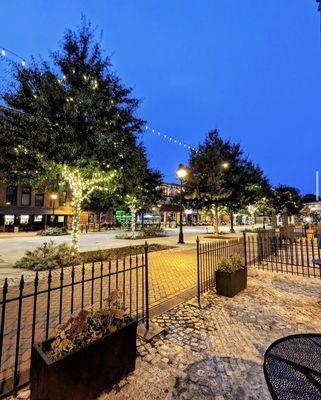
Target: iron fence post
(146, 287)
(245, 251)
(3, 314)
(198, 271)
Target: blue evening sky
(250, 68)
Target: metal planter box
(84, 373)
(229, 284)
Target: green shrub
(54, 232)
(230, 264)
(146, 233)
(46, 257)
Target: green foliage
(53, 231)
(47, 257)
(284, 196)
(89, 326)
(230, 264)
(147, 232)
(220, 174)
(72, 113)
(308, 198)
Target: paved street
(217, 353)
(13, 247)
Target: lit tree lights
(70, 121)
(82, 182)
(133, 204)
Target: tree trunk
(76, 208)
(232, 222)
(142, 219)
(133, 219)
(216, 229)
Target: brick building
(24, 209)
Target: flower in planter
(88, 326)
(230, 264)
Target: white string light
(170, 138)
(5, 53)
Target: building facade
(25, 209)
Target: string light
(94, 84)
(170, 138)
(5, 53)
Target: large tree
(246, 183)
(207, 174)
(70, 119)
(221, 176)
(288, 197)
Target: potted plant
(88, 354)
(231, 276)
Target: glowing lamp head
(225, 165)
(54, 196)
(181, 172)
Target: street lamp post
(181, 174)
(53, 197)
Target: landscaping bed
(111, 254)
(50, 256)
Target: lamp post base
(181, 238)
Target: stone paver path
(217, 353)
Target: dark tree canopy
(308, 198)
(72, 109)
(286, 197)
(222, 175)
(206, 175)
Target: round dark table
(292, 367)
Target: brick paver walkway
(170, 273)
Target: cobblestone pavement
(217, 352)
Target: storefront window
(38, 218)
(9, 219)
(61, 219)
(11, 195)
(24, 219)
(39, 199)
(26, 196)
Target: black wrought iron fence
(284, 254)
(208, 258)
(31, 311)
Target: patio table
(292, 367)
